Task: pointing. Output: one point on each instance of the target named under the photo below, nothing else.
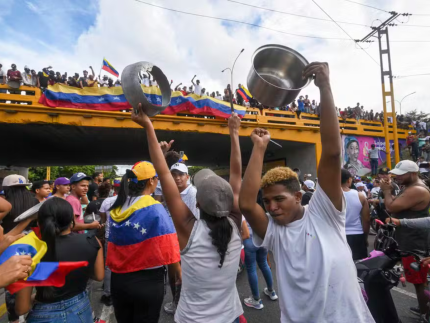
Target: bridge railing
(27, 95)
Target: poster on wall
(355, 156)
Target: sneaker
(170, 308)
(415, 310)
(107, 300)
(251, 302)
(271, 294)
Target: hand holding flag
(14, 269)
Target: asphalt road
(404, 298)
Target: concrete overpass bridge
(35, 135)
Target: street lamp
(231, 79)
(400, 102)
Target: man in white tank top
(357, 219)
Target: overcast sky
(70, 35)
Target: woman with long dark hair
(210, 246)
(69, 303)
(142, 240)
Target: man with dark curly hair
(317, 278)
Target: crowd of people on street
(156, 221)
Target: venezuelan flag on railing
(113, 99)
(42, 273)
(145, 226)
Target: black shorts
(357, 243)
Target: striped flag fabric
(145, 233)
(109, 68)
(42, 273)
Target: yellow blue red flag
(113, 99)
(109, 68)
(42, 273)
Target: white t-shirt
(423, 170)
(104, 208)
(317, 278)
(145, 81)
(219, 97)
(197, 89)
(423, 125)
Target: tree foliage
(415, 115)
(39, 173)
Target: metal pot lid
(25, 215)
(133, 90)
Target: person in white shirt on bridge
(317, 278)
(374, 158)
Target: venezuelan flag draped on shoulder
(141, 237)
(42, 273)
(113, 99)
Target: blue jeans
(254, 256)
(374, 165)
(73, 310)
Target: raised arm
(176, 87)
(365, 215)
(235, 158)
(253, 212)
(413, 197)
(92, 71)
(330, 165)
(183, 218)
(192, 80)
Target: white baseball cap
(309, 184)
(180, 167)
(405, 166)
(15, 180)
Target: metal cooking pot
(133, 90)
(275, 78)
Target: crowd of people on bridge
(157, 221)
(303, 104)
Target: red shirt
(14, 75)
(184, 93)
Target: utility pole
(384, 52)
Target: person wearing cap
(78, 190)
(412, 202)
(86, 81)
(373, 154)
(105, 216)
(210, 245)
(13, 74)
(357, 218)
(61, 187)
(41, 190)
(309, 188)
(308, 242)
(142, 240)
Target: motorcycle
(377, 275)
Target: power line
(297, 15)
(365, 5)
(268, 28)
(345, 31)
(411, 75)
(239, 22)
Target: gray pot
(275, 78)
(133, 91)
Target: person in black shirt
(92, 189)
(69, 303)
